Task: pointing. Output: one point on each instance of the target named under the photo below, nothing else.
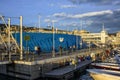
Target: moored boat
(102, 74)
(110, 66)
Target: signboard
(27, 37)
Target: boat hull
(101, 77)
(106, 66)
(101, 74)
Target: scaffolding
(7, 41)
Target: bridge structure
(8, 44)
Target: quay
(45, 65)
(68, 72)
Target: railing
(41, 56)
(4, 57)
(33, 57)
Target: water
(83, 77)
(3, 77)
(86, 77)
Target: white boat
(101, 74)
(104, 65)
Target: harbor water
(83, 76)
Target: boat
(102, 74)
(109, 66)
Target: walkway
(67, 71)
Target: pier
(68, 72)
(45, 65)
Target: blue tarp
(45, 41)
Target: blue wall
(45, 41)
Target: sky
(69, 15)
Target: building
(114, 39)
(118, 38)
(96, 38)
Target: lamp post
(61, 40)
(81, 44)
(53, 48)
(21, 44)
(39, 21)
(89, 46)
(81, 41)
(76, 39)
(9, 39)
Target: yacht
(102, 74)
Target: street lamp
(53, 48)
(21, 42)
(81, 43)
(76, 39)
(89, 46)
(61, 39)
(9, 53)
(39, 21)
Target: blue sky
(66, 14)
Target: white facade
(93, 37)
(104, 35)
(114, 39)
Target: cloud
(100, 2)
(47, 20)
(50, 21)
(116, 3)
(68, 6)
(111, 19)
(90, 14)
(54, 21)
(60, 14)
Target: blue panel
(45, 41)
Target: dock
(37, 66)
(67, 72)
